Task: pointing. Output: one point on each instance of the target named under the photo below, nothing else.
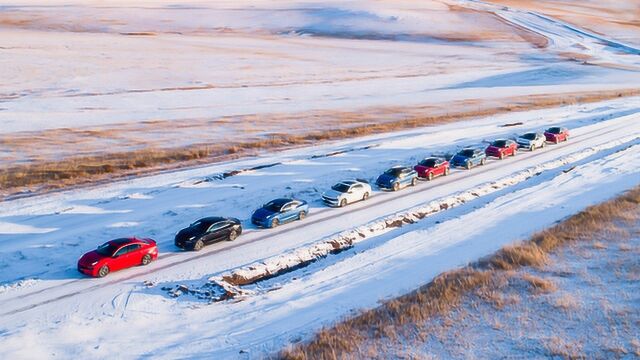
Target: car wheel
(533, 147)
(343, 202)
(483, 161)
(468, 166)
(430, 177)
(447, 171)
(501, 156)
(515, 151)
(233, 235)
(544, 143)
(275, 223)
(198, 245)
(365, 196)
(555, 140)
(396, 186)
(303, 214)
(414, 181)
(104, 271)
(146, 259)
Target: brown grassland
(352, 337)
(49, 174)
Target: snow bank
(280, 264)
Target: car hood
(187, 233)
(459, 159)
(333, 194)
(263, 213)
(384, 178)
(91, 257)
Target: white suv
(347, 192)
(531, 141)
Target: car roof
(348, 182)
(212, 219)
(281, 201)
(123, 241)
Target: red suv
(556, 134)
(502, 148)
(432, 167)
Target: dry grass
(51, 174)
(559, 347)
(348, 337)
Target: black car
(206, 231)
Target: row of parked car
(126, 252)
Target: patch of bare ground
(59, 158)
(568, 292)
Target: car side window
(216, 226)
(126, 249)
(287, 207)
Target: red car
(432, 167)
(116, 255)
(502, 148)
(556, 134)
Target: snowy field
(121, 77)
(198, 62)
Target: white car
(347, 192)
(532, 141)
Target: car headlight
(94, 263)
(191, 238)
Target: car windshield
(200, 225)
(340, 187)
(500, 143)
(273, 206)
(529, 136)
(428, 162)
(466, 153)
(107, 249)
(554, 130)
(394, 171)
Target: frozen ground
(50, 309)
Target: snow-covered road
(44, 235)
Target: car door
(439, 168)
(122, 257)
(287, 212)
(355, 193)
(475, 159)
(216, 232)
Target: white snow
(301, 301)
(282, 57)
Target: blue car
(397, 177)
(468, 158)
(280, 211)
